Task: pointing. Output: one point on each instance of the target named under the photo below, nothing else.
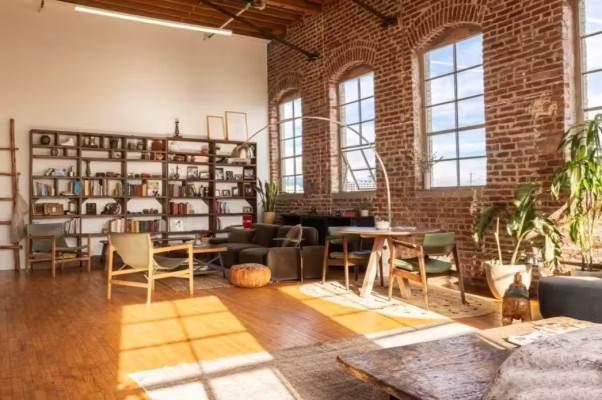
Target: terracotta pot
(499, 277)
(269, 217)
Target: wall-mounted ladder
(14, 175)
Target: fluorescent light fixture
(153, 21)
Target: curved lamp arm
(362, 138)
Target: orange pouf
(250, 275)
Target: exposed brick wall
(527, 89)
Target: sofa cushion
(230, 257)
(293, 236)
(257, 255)
(265, 234)
(238, 235)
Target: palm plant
(581, 178)
(523, 224)
(268, 192)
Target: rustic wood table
(380, 236)
(461, 367)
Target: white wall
(64, 70)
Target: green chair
(423, 265)
(351, 254)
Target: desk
(380, 236)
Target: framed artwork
(249, 190)
(238, 177)
(38, 209)
(236, 126)
(215, 128)
(152, 188)
(192, 172)
(219, 174)
(247, 209)
(248, 173)
(204, 175)
(229, 175)
(235, 192)
(54, 209)
(226, 193)
(218, 193)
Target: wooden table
(380, 236)
(209, 266)
(461, 367)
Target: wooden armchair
(47, 243)
(139, 256)
(421, 266)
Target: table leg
(368, 283)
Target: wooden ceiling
(275, 17)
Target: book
(544, 331)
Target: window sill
(449, 192)
(291, 196)
(353, 195)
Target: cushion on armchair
(293, 236)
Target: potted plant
(425, 165)
(523, 225)
(365, 206)
(580, 180)
(268, 193)
(244, 151)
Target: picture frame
(204, 175)
(248, 173)
(218, 193)
(219, 174)
(238, 177)
(235, 191)
(54, 209)
(229, 175)
(90, 208)
(38, 210)
(249, 190)
(247, 209)
(236, 126)
(152, 188)
(192, 172)
(216, 129)
(226, 193)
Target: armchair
(138, 256)
(47, 243)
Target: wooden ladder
(14, 175)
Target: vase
(45, 140)
(426, 180)
(499, 277)
(269, 217)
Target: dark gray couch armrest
(313, 257)
(218, 240)
(285, 263)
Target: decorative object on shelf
(249, 190)
(218, 193)
(238, 177)
(115, 154)
(177, 130)
(140, 145)
(380, 225)
(226, 193)
(205, 175)
(425, 164)
(247, 209)
(365, 206)
(175, 174)
(215, 128)
(90, 208)
(54, 209)
(88, 171)
(157, 145)
(235, 191)
(268, 192)
(245, 151)
(114, 143)
(516, 304)
(70, 171)
(248, 173)
(85, 141)
(159, 156)
(524, 224)
(38, 209)
(219, 174)
(229, 175)
(145, 156)
(92, 141)
(236, 126)
(205, 151)
(131, 146)
(45, 140)
(192, 172)
(112, 209)
(54, 152)
(68, 142)
(152, 189)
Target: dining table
(380, 236)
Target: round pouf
(250, 275)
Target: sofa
(262, 244)
(575, 297)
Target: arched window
(356, 109)
(291, 144)
(454, 111)
(590, 38)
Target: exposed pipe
(387, 19)
(228, 22)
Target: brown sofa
(258, 245)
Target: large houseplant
(268, 192)
(580, 179)
(523, 225)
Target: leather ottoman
(250, 275)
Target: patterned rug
(210, 281)
(444, 303)
(300, 373)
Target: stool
(250, 275)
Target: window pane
(473, 172)
(471, 112)
(299, 184)
(287, 148)
(369, 153)
(288, 166)
(349, 91)
(443, 146)
(364, 180)
(368, 109)
(593, 90)
(472, 143)
(287, 110)
(350, 138)
(298, 165)
(368, 132)
(287, 130)
(593, 16)
(288, 184)
(445, 174)
(348, 183)
(441, 118)
(439, 62)
(470, 83)
(298, 127)
(367, 85)
(298, 146)
(440, 90)
(470, 52)
(591, 53)
(297, 107)
(350, 114)
(355, 160)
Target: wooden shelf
(188, 215)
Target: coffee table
(461, 367)
(207, 267)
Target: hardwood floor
(62, 339)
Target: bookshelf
(159, 184)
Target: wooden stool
(250, 275)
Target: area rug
(444, 303)
(301, 373)
(212, 281)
